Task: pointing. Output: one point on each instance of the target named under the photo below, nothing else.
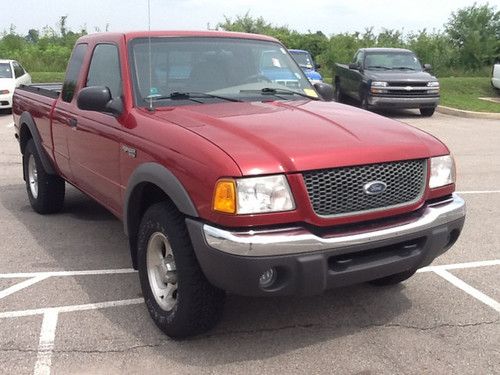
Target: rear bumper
(309, 264)
(402, 102)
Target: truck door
(63, 117)
(355, 76)
(94, 145)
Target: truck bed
(51, 90)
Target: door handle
(73, 122)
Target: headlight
(379, 84)
(442, 171)
(253, 195)
(433, 84)
(2, 92)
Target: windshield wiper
(279, 91)
(378, 67)
(402, 68)
(176, 95)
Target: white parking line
(23, 284)
(51, 314)
(71, 308)
(479, 192)
(65, 273)
(457, 266)
(46, 342)
(468, 289)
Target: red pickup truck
(229, 177)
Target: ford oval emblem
(374, 187)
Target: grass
(45, 77)
(464, 93)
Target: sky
(329, 16)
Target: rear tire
(45, 191)
(179, 298)
(427, 112)
(394, 279)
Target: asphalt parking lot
(69, 302)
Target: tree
(475, 32)
(33, 36)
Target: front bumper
(6, 101)
(309, 264)
(402, 102)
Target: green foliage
(39, 77)
(468, 47)
(475, 33)
(44, 51)
(464, 93)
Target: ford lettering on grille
(366, 188)
(375, 187)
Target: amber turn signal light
(225, 196)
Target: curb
(469, 114)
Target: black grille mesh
(340, 191)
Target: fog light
(267, 278)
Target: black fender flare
(27, 120)
(160, 176)
(164, 179)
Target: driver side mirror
(317, 66)
(354, 66)
(325, 91)
(427, 67)
(98, 99)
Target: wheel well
(142, 197)
(24, 136)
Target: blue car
(305, 61)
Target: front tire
(427, 112)
(339, 96)
(45, 191)
(394, 279)
(179, 298)
(364, 103)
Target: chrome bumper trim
(298, 240)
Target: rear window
(5, 70)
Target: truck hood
(292, 136)
(398, 75)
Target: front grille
(340, 191)
(409, 83)
(409, 93)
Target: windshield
(227, 67)
(303, 59)
(5, 70)
(392, 61)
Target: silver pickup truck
(388, 78)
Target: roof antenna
(151, 108)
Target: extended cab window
(105, 69)
(74, 67)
